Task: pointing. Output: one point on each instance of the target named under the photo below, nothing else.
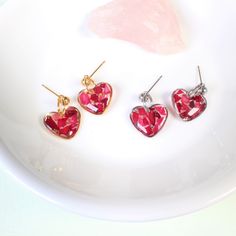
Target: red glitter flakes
(96, 99)
(188, 108)
(149, 121)
(63, 125)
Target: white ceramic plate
(110, 170)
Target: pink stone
(150, 24)
(106, 88)
(98, 89)
(149, 121)
(64, 126)
(135, 117)
(93, 97)
(84, 98)
(188, 108)
(97, 98)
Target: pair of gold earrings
(148, 118)
(95, 98)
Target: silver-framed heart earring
(190, 104)
(149, 118)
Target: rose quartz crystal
(150, 24)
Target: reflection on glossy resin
(97, 99)
(188, 108)
(149, 121)
(65, 125)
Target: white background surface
(23, 213)
(133, 177)
(44, 43)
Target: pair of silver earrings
(150, 118)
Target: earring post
(50, 90)
(159, 78)
(97, 69)
(199, 73)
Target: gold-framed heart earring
(66, 121)
(95, 98)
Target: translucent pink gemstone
(84, 98)
(65, 125)
(188, 108)
(149, 121)
(98, 89)
(97, 99)
(94, 97)
(151, 24)
(106, 88)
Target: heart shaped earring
(190, 104)
(96, 97)
(149, 119)
(66, 121)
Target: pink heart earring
(190, 104)
(95, 98)
(66, 121)
(149, 119)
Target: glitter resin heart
(188, 108)
(149, 121)
(96, 99)
(65, 125)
